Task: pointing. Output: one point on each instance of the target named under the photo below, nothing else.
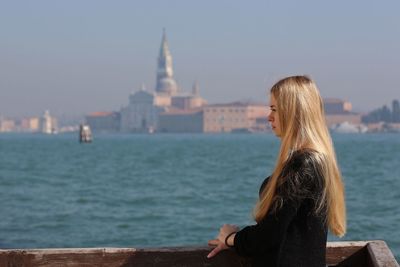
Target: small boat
(351, 254)
(85, 134)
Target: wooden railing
(357, 254)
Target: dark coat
(293, 235)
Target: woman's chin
(276, 133)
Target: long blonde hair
(302, 121)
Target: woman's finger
(213, 242)
(215, 251)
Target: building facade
(6, 125)
(141, 115)
(237, 116)
(333, 119)
(30, 124)
(338, 111)
(336, 106)
(181, 121)
(108, 122)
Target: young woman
(304, 196)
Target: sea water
(172, 190)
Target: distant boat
(346, 127)
(85, 134)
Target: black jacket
(293, 235)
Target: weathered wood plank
(173, 257)
(337, 252)
(354, 254)
(381, 254)
(65, 257)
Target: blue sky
(74, 57)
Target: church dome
(167, 85)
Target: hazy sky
(75, 57)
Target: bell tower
(165, 80)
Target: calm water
(171, 190)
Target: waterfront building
(142, 114)
(216, 118)
(375, 127)
(336, 106)
(48, 124)
(381, 126)
(338, 111)
(181, 121)
(189, 101)
(31, 124)
(237, 116)
(108, 122)
(6, 125)
(393, 127)
(332, 119)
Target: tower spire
(164, 50)
(165, 79)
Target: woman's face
(273, 116)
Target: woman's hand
(219, 241)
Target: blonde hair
(302, 121)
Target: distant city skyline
(78, 57)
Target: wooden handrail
(357, 254)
